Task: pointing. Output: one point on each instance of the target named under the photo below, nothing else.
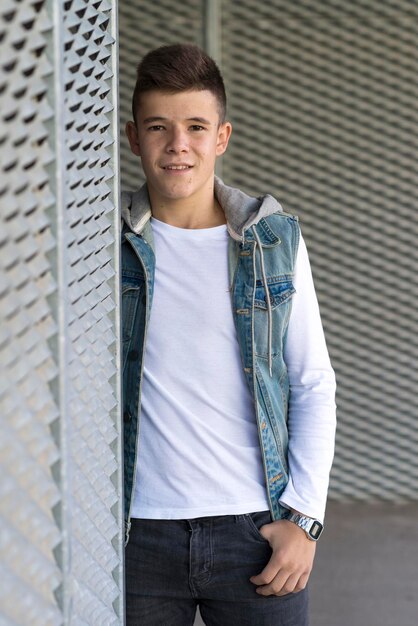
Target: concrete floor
(366, 569)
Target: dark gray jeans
(173, 566)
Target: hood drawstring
(268, 301)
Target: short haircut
(176, 68)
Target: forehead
(178, 106)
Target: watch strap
(312, 527)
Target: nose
(177, 141)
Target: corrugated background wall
(326, 118)
(60, 454)
(323, 101)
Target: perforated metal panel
(322, 97)
(93, 450)
(61, 525)
(325, 117)
(29, 451)
(143, 26)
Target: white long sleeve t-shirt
(199, 452)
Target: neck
(202, 212)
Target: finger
(275, 586)
(294, 584)
(290, 586)
(268, 573)
(303, 581)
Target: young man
(229, 411)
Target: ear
(132, 134)
(224, 133)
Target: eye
(155, 127)
(197, 127)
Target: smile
(177, 167)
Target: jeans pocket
(255, 521)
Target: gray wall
(326, 119)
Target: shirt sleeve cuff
(308, 509)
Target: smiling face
(178, 137)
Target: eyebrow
(200, 120)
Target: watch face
(316, 530)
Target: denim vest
(264, 258)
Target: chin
(177, 194)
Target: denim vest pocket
(280, 289)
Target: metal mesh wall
(60, 458)
(325, 118)
(322, 98)
(93, 448)
(29, 531)
(143, 26)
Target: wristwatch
(312, 527)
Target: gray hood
(241, 211)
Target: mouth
(177, 168)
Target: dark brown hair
(179, 67)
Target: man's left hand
(290, 564)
